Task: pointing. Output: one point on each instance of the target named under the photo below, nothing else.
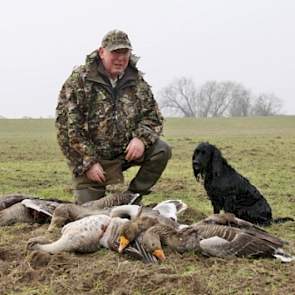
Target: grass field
(262, 149)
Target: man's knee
(83, 195)
(167, 152)
(86, 190)
(160, 151)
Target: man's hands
(135, 149)
(96, 173)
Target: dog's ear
(217, 162)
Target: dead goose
(88, 235)
(156, 236)
(28, 210)
(14, 214)
(80, 231)
(164, 213)
(240, 238)
(70, 212)
(11, 199)
(110, 240)
(79, 236)
(176, 238)
(221, 235)
(132, 229)
(66, 213)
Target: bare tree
(266, 105)
(223, 98)
(241, 103)
(206, 98)
(215, 98)
(180, 97)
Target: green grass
(262, 149)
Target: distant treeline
(216, 99)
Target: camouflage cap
(116, 39)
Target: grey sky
(251, 42)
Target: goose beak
(123, 243)
(159, 254)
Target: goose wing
(222, 240)
(171, 208)
(229, 219)
(243, 245)
(137, 251)
(43, 206)
(113, 200)
(8, 200)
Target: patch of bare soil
(169, 185)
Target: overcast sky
(248, 41)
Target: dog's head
(206, 156)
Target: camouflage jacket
(96, 121)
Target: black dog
(227, 189)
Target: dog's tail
(282, 219)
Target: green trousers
(152, 165)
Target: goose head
(152, 244)
(131, 230)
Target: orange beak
(159, 254)
(123, 243)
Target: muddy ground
(107, 272)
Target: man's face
(115, 62)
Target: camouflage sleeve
(78, 140)
(150, 124)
